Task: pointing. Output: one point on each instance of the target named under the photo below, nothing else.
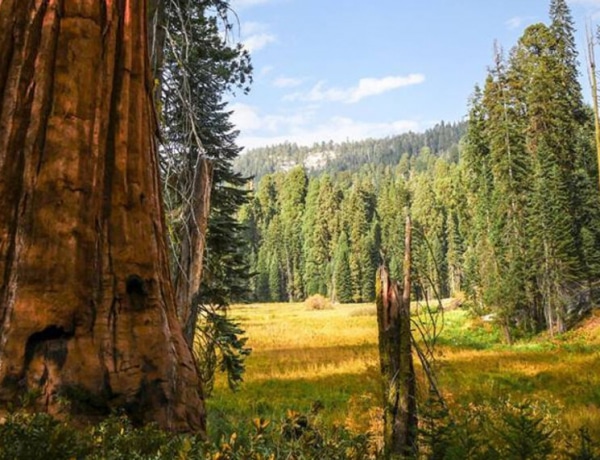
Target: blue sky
(352, 69)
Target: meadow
(325, 362)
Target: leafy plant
(220, 344)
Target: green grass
(304, 357)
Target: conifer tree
(551, 127)
(429, 252)
(328, 222)
(358, 210)
(292, 197)
(510, 169)
(342, 276)
(314, 249)
(391, 201)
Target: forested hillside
(441, 140)
(509, 216)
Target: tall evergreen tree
(199, 68)
(291, 198)
(314, 257)
(358, 211)
(551, 138)
(328, 222)
(524, 160)
(510, 168)
(391, 201)
(342, 275)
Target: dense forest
(505, 206)
(441, 140)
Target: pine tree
(429, 252)
(391, 201)
(291, 198)
(211, 266)
(342, 275)
(314, 256)
(358, 211)
(524, 160)
(265, 208)
(510, 168)
(551, 139)
(328, 222)
(275, 261)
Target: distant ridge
(441, 140)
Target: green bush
(26, 436)
(39, 436)
(502, 430)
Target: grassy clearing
(305, 358)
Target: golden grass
(302, 356)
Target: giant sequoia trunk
(87, 310)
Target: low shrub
(501, 430)
(318, 302)
(26, 436)
(40, 437)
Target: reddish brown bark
(87, 310)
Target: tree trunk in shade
(87, 309)
(193, 243)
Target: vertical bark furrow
(8, 18)
(87, 309)
(23, 115)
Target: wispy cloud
(515, 23)
(366, 87)
(257, 42)
(258, 130)
(256, 36)
(518, 22)
(248, 119)
(287, 82)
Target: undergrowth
(500, 430)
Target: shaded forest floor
(327, 359)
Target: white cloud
(374, 86)
(247, 119)
(518, 22)
(256, 42)
(244, 117)
(258, 130)
(256, 36)
(287, 82)
(515, 23)
(366, 87)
